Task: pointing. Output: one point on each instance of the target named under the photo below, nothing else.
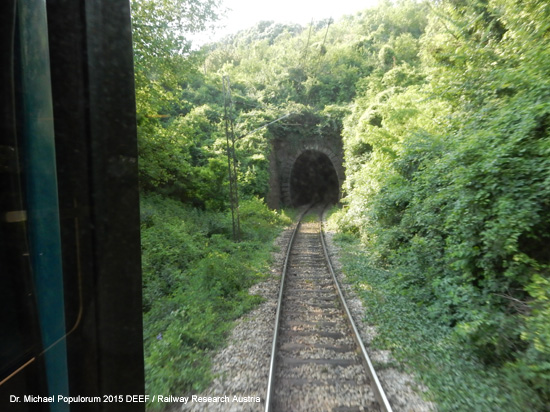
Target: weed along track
(318, 360)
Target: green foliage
(386, 57)
(456, 379)
(447, 179)
(195, 283)
(161, 30)
(318, 65)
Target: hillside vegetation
(444, 111)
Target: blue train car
(70, 273)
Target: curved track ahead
(318, 360)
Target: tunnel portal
(313, 178)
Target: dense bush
(196, 282)
(457, 380)
(448, 180)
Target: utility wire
(304, 60)
(315, 68)
(267, 124)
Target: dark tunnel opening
(313, 179)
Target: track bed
(318, 363)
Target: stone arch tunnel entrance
(313, 178)
(299, 174)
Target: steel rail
(272, 365)
(375, 382)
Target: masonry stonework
(283, 158)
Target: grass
(195, 284)
(456, 379)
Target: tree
(163, 64)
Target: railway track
(318, 361)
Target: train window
(31, 304)
(19, 339)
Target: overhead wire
(315, 68)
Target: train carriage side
(70, 272)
